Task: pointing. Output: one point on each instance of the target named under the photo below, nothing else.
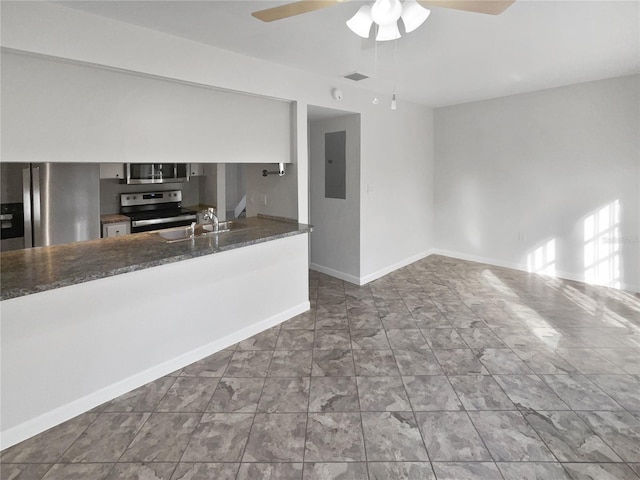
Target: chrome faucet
(210, 215)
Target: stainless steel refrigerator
(60, 201)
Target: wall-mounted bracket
(280, 171)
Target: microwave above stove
(147, 173)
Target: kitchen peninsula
(85, 322)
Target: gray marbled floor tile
(569, 438)
(392, 436)
(518, 337)
(393, 320)
(239, 395)
(249, 364)
(270, 471)
(205, 471)
(460, 362)
(106, 438)
(375, 363)
(465, 321)
(427, 320)
(624, 389)
(509, 437)
(599, 471)
(620, 430)
(332, 339)
(285, 395)
(262, 341)
(378, 394)
(162, 438)
(23, 471)
(467, 471)
(143, 399)
(443, 338)
(335, 471)
(334, 437)
(188, 394)
(635, 467)
(333, 394)
(211, 366)
(276, 437)
(76, 471)
(480, 338)
(502, 361)
(400, 471)
(305, 321)
(142, 471)
(528, 392)
(480, 392)
(48, 446)
(628, 359)
(332, 363)
(369, 339)
(544, 361)
(407, 339)
(359, 318)
(587, 361)
(390, 302)
(219, 437)
(417, 362)
(580, 393)
(533, 471)
(451, 437)
(331, 321)
(290, 363)
(430, 393)
(295, 340)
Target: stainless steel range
(155, 210)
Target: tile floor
(445, 370)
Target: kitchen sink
(180, 234)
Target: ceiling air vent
(356, 77)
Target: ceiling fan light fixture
(388, 32)
(361, 22)
(385, 12)
(413, 15)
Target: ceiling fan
(491, 7)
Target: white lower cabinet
(115, 229)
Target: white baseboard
(335, 273)
(66, 412)
(386, 270)
(522, 267)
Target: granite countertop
(39, 269)
(114, 218)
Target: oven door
(149, 224)
(147, 173)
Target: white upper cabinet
(60, 111)
(112, 170)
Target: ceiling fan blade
(291, 9)
(491, 7)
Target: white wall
(74, 112)
(396, 145)
(520, 178)
(335, 240)
(67, 350)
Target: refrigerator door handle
(26, 200)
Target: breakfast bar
(135, 308)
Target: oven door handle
(160, 221)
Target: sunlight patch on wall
(602, 246)
(543, 259)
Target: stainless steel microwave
(142, 173)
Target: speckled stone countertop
(33, 270)
(114, 218)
